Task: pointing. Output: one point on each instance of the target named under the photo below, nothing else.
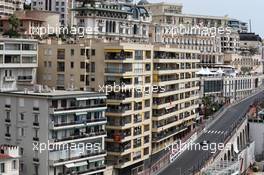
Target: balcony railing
(117, 70)
(79, 157)
(79, 122)
(84, 135)
(10, 79)
(24, 78)
(168, 133)
(79, 107)
(121, 110)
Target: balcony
(77, 123)
(9, 79)
(24, 78)
(166, 134)
(119, 56)
(118, 70)
(74, 159)
(94, 169)
(119, 109)
(82, 136)
(78, 107)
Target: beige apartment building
(144, 78)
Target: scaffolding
(223, 167)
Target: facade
(18, 63)
(73, 120)
(58, 57)
(230, 88)
(112, 20)
(60, 6)
(9, 160)
(241, 27)
(131, 137)
(171, 27)
(10, 6)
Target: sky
(240, 9)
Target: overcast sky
(240, 9)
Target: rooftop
(53, 94)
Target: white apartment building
(230, 88)
(61, 6)
(9, 160)
(112, 20)
(49, 117)
(7, 7)
(18, 63)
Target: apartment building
(230, 88)
(9, 160)
(172, 27)
(8, 7)
(240, 26)
(63, 7)
(66, 65)
(175, 107)
(112, 20)
(71, 125)
(136, 73)
(248, 59)
(18, 63)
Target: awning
(81, 113)
(71, 165)
(96, 159)
(90, 98)
(80, 163)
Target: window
(72, 52)
(82, 52)
(14, 164)
(21, 132)
(2, 168)
(72, 65)
(21, 151)
(7, 129)
(82, 78)
(61, 54)
(22, 117)
(8, 115)
(93, 67)
(36, 118)
(82, 66)
(93, 52)
(61, 67)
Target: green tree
(14, 24)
